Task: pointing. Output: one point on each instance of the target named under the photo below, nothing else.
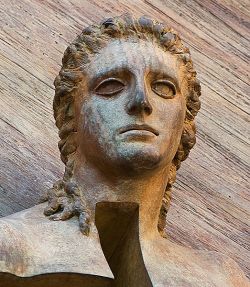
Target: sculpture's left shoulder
(229, 269)
(170, 264)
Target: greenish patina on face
(131, 116)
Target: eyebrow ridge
(112, 71)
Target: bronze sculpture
(125, 103)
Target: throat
(145, 191)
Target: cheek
(97, 119)
(172, 120)
(179, 115)
(91, 122)
(172, 115)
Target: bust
(125, 102)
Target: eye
(164, 89)
(109, 87)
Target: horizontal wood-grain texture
(210, 205)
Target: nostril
(146, 106)
(139, 104)
(148, 110)
(132, 110)
(141, 108)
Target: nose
(139, 103)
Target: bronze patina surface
(125, 102)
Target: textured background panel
(210, 206)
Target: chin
(139, 158)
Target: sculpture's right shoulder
(31, 244)
(17, 235)
(14, 249)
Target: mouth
(137, 127)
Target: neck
(145, 190)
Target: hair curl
(65, 198)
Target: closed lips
(138, 127)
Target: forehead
(137, 57)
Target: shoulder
(204, 267)
(226, 268)
(18, 234)
(222, 269)
(14, 249)
(31, 244)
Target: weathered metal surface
(210, 208)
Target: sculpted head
(125, 101)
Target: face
(130, 108)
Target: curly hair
(65, 198)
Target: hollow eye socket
(109, 87)
(164, 89)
